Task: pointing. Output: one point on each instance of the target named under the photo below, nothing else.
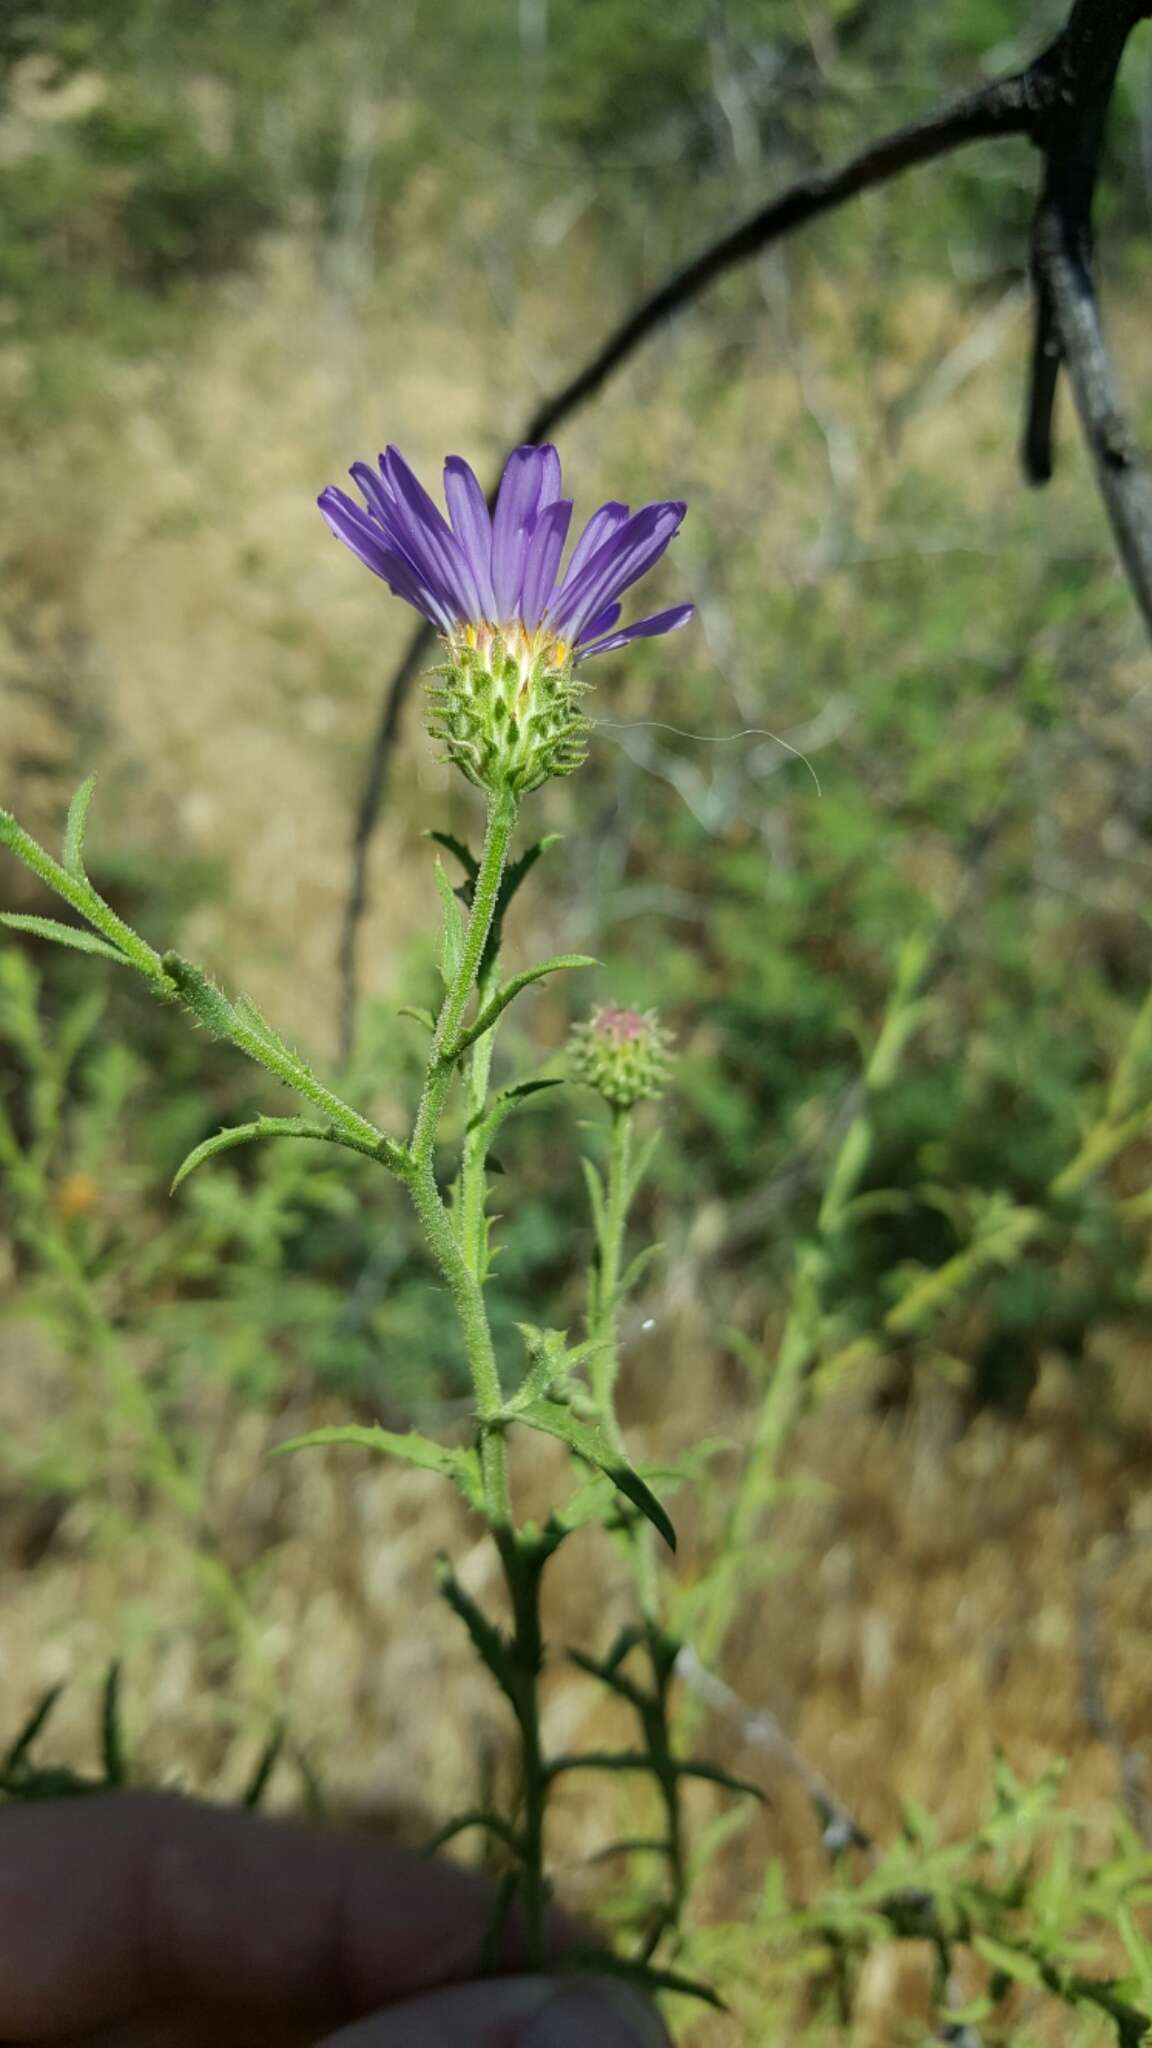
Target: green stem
(472, 1187)
(458, 1270)
(457, 1244)
(523, 1560)
(604, 1366)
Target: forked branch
(1059, 102)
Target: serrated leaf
(461, 1466)
(589, 1442)
(266, 1127)
(511, 989)
(74, 829)
(452, 930)
(487, 1639)
(63, 935)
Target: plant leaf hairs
(516, 630)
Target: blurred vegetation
(958, 664)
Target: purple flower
(474, 575)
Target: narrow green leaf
(597, 1199)
(630, 1845)
(78, 891)
(638, 1268)
(646, 1977)
(63, 934)
(589, 1503)
(452, 934)
(487, 1639)
(603, 1760)
(589, 1442)
(58, 1783)
(511, 989)
(545, 1350)
(111, 1733)
(642, 1162)
(38, 1719)
(409, 1445)
(266, 1763)
(268, 1127)
(460, 852)
(1023, 1968)
(492, 1823)
(523, 1089)
(1139, 1950)
(246, 1013)
(423, 1017)
(712, 1774)
(74, 829)
(487, 1121)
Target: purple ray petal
(400, 532)
(543, 559)
(517, 502)
(428, 539)
(549, 475)
(644, 629)
(600, 528)
(360, 532)
(621, 561)
(378, 494)
(602, 623)
(471, 524)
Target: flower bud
(623, 1054)
(505, 706)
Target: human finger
(513, 2012)
(117, 1904)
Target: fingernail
(605, 2013)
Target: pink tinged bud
(624, 1054)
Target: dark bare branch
(1121, 472)
(1060, 102)
(1071, 135)
(1068, 331)
(1013, 105)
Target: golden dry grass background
(219, 661)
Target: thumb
(513, 2012)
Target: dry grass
(222, 661)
